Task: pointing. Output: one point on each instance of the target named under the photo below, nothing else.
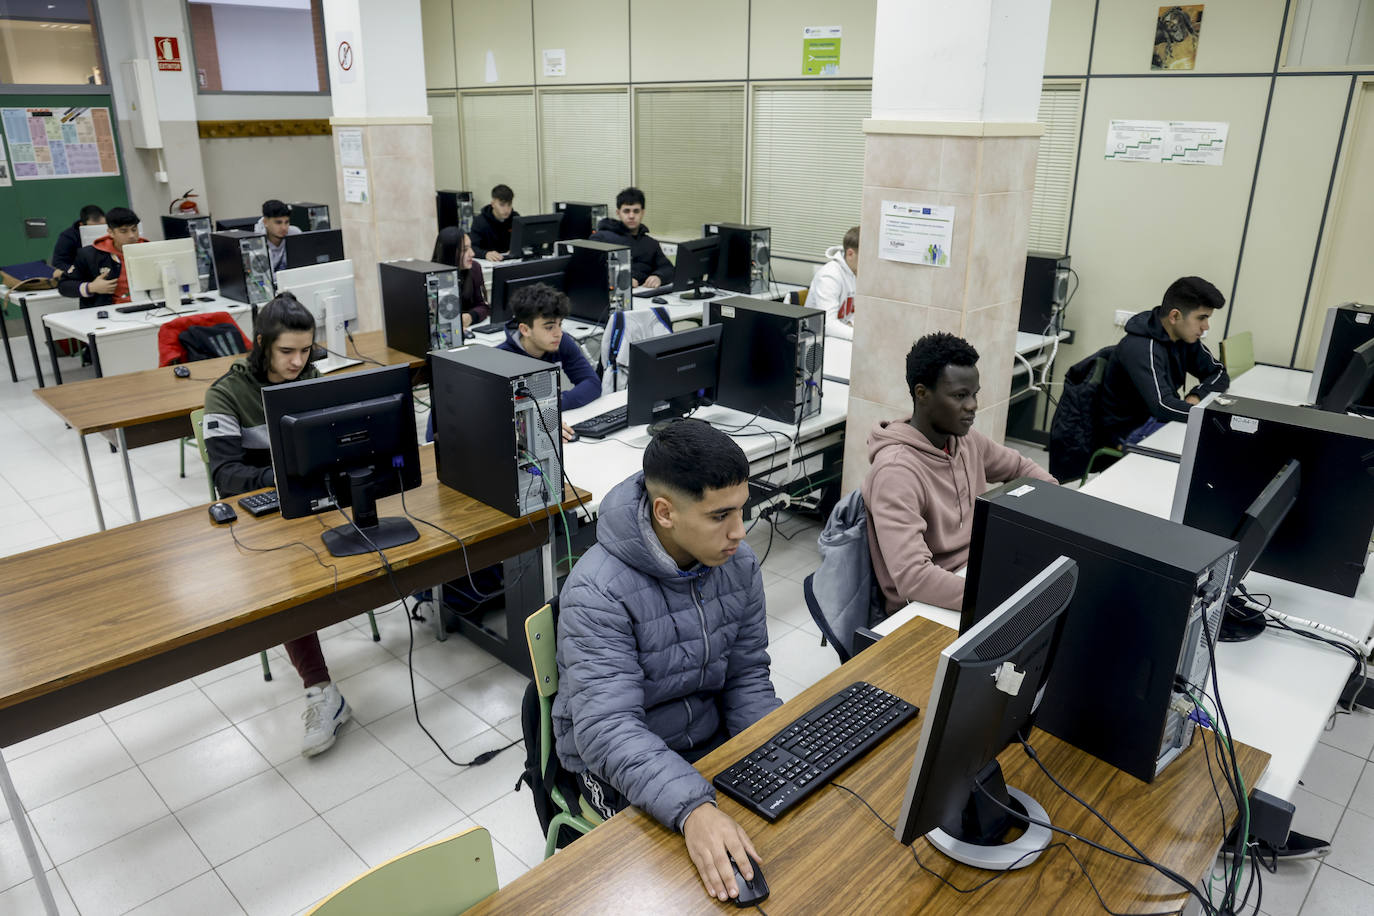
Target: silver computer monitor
(327, 290)
(169, 267)
(90, 233)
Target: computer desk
(32, 307)
(172, 597)
(153, 405)
(830, 855)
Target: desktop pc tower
(497, 428)
(579, 219)
(308, 217)
(198, 229)
(454, 209)
(1146, 589)
(242, 266)
(1045, 291)
(422, 306)
(597, 280)
(743, 257)
(771, 357)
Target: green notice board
(821, 50)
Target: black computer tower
(579, 219)
(308, 217)
(454, 209)
(198, 229)
(597, 280)
(497, 428)
(744, 257)
(243, 267)
(771, 357)
(1146, 586)
(422, 306)
(1045, 290)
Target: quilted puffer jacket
(653, 660)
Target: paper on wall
(490, 74)
(1196, 142)
(355, 186)
(915, 233)
(1136, 141)
(555, 62)
(350, 146)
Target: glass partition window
(243, 46)
(49, 43)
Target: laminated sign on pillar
(345, 57)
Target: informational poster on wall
(1183, 142)
(350, 146)
(355, 186)
(555, 62)
(915, 233)
(821, 50)
(1136, 141)
(60, 142)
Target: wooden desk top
(132, 398)
(155, 586)
(831, 855)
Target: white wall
(260, 49)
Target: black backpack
(208, 341)
(1075, 432)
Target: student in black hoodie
(69, 240)
(491, 228)
(649, 267)
(1162, 346)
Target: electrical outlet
(1123, 316)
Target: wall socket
(1123, 316)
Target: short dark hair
(90, 212)
(932, 353)
(503, 193)
(120, 216)
(282, 314)
(274, 207)
(851, 239)
(538, 300)
(1188, 294)
(629, 196)
(693, 456)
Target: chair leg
(372, 621)
(183, 457)
(266, 667)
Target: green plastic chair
(441, 879)
(1238, 353)
(540, 633)
(1100, 453)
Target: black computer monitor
(1233, 449)
(1345, 329)
(579, 219)
(245, 223)
(1349, 389)
(535, 236)
(505, 281)
(672, 374)
(697, 262)
(345, 440)
(318, 247)
(1256, 528)
(986, 692)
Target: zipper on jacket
(705, 637)
(687, 703)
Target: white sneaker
(326, 711)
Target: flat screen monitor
(579, 219)
(1351, 386)
(318, 247)
(534, 236)
(697, 261)
(1345, 329)
(345, 440)
(1254, 532)
(90, 233)
(506, 280)
(672, 374)
(986, 692)
(328, 291)
(170, 267)
(246, 223)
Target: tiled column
(953, 124)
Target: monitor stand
(981, 842)
(694, 293)
(1240, 622)
(367, 533)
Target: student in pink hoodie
(925, 472)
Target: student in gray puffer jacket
(663, 644)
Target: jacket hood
(901, 434)
(836, 253)
(106, 244)
(490, 215)
(608, 224)
(1146, 324)
(624, 530)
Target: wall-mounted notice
(355, 186)
(821, 50)
(915, 233)
(1196, 142)
(1136, 141)
(60, 142)
(350, 146)
(555, 62)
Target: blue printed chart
(59, 142)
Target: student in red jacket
(97, 277)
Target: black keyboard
(603, 424)
(260, 503)
(490, 329)
(814, 749)
(148, 306)
(642, 291)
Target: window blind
(498, 146)
(689, 157)
(584, 140)
(806, 165)
(1060, 112)
(448, 163)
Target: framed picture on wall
(1176, 37)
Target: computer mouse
(659, 300)
(222, 513)
(102, 314)
(750, 892)
(181, 372)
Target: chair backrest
(441, 879)
(198, 427)
(1238, 353)
(170, 349)
(540, 634)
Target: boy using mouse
(663, 645)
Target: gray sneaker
(326, 711)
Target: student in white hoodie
(276, 225)
(832, 288)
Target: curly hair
(932, 353)
(539, 300)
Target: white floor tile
(1332, 773)
(203, 896)
(14, 865)
(1362, 799)
(245, 694)
(147, 701)
(49, 738)
(1285, 890)
(508, 864)
(105, 881)
(252, 661)
(785, 687)
(204, 767)
(351, 651)
(389, 819)
(451, 830)
(97, 814)
(235, 820)
(75, 763)
(9, 496)
(777, 629)
(1353, 733)
(391, 624)
(355, 763)
(785, 600)
(382, 689)
(1314, 815)
(1350, 847)
(282, 876)
(23, 899)
(800, 656)
(446, 663)
(494, 694)
(449, 721)
(514, 824)
(474, 788)
(277, 733)
(1335, 893)
(179, 721)
(27, 535)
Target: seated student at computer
(832, 288)
(96, 277)
(235, 430)
(492, 227)
(663, 644)
(926, 470)
(275, 223)
(536, 329)
(454, 247)
(1162, 346)
(649, 266)
(69, 239)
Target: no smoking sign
(345, 57)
